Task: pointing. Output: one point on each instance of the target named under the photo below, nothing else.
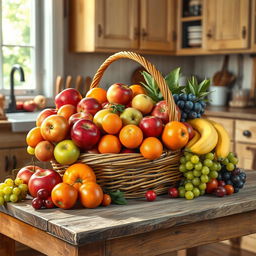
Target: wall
(206, 66)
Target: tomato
(175, 135)
(64, 195)
(211, 186)
(229, 189)
(91, 195)
(78, 174)
(106, 200)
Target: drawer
(246, 154)
(227, 123)
(245, 131)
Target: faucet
(12, 104)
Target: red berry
(173, 192)
(220, 191)
(221, 183)
(48, 203)
(42, 193)
(37, 203)
(150, 195)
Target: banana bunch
(209, 135)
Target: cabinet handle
(100, 30)
(6, 165)
(144, 33)
(209, 34)
(253, 157)
(244, 32)
(174, 36)
(14, 159)
(136, 33)
(247, 133)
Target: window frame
(36, 60)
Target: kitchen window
(19, 38)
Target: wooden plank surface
(81, 226)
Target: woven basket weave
(131, 172)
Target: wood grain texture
(82, 226)
(7, 246)
(186, 236)
(242, 126)
(234, 113)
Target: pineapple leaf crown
(172, 80)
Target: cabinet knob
(209, 34)
(6, 163)
(244, 32)
(247, 133)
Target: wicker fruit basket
(131, 172)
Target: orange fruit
(137, 89)
(175, 135)
(106, 200)
(151, 148)
(67, 111)
(91, 195)
(131, 136)
(112, 123)
(34, 136)
(78, 174)
(109, 144)
(97, 93)
(98, 118)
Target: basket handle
(150, 68)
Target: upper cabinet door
(117, 24)
(157, 25)
(227, 24)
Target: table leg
(7, 246)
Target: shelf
(192, 18)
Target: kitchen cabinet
(227, 24)
(108, 25)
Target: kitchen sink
(22, 121)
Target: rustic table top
(82, 226)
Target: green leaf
(150, 81)
(117, 197)
(172, 79)
(204, 85)
(150, 92)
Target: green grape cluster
(197, 171)
(230, 162)
(12, 191)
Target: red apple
(119, 93)
(26, 172)
(43, 178)
(68, 96)
(19, 105)
(78, 116)
(43, 114)
(151, 126)
(85, 134)
(191, 132)
(44, 151)
(30, 106)
(161, 111)
(89, 105)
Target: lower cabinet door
(247, 155)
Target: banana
(194, 139)
(223, 146)
(208, 139)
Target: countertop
(227, 112)
(81, 226)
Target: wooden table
(140, 228)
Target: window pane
(22, 56)
(16, 22)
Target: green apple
(66, 152)
(131, 116)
